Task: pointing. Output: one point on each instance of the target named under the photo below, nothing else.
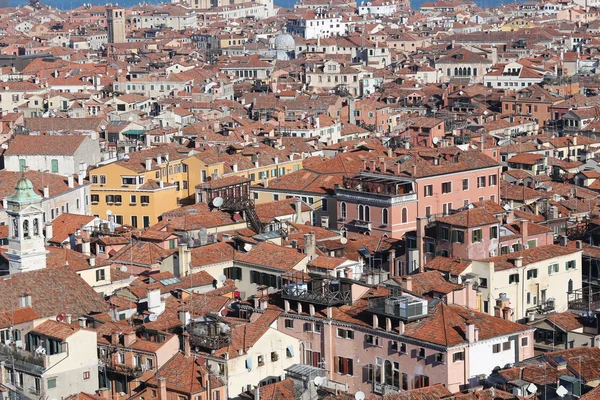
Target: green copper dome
(24, 192)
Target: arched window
(36, 227)
(384, 216)
(343, 210)
(570, 286)
(367, 213)
(361, 212)
(455, 71)
(469, 71)
(26, 229)
(404, 215)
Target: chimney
(68, 319)
(85, 247)
(161, 184)
(388, 325)
(167, 157)
(408, 283)
(159, 159)
(46, 192)
(563, 241)
(49, 231)
(298, 209)
(286, 306)
(401, 328)
(579, 244)
(372, 167)
(276, 159)
(80, 179)
(234, 167)
(309, 245)
(525, 230)
(187, 348)
(518, 261)
(471, 331)
(92, 260)
(162, 388)
(128, 339)
(351, 111)
(184, 260)
(71, 181)
(375, 321)
(184, 317)
(329, 312)
(82, 322)
(148, 164)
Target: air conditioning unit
(511, 250)
(492, 253)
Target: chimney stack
(162, 388)
(148, 164)
(71, 181)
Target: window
(532, 244)
(428, 211)
(150, 363)
(444, 233)
(22, 165)
(100, 275)
(570, 265)
(345, 333)
(95, 198)
(496, 348)
(524, 341)
(103, 179)
(439, 358)
(51, 383)
(343, 209)
(513, 278)
(481, 181)
(121, 358)
(458, 357)
(552, 268)
(275, 197)
(384, 216)
(458, 236)
(133, 199)
(428, 190)
(492, 180)
(404, 215)
(128, 180)
(86, 375)
(233, 273)
(476, 236)
(532, 274)
(54, 169)
(483, 283)
(94, 178)
(446, 187)
(289, 323)
(421, 353)
(403, 348)
(505, 346)
(493, 232)
(261, 361)
(144, 199)
(134, 221)
(465, 184)
(373, 340)
(344, 366)
(274, 356)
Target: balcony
(318, 290)
(583, 300)
(23, 360)
(384, 388)
(210, 334)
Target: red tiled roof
(45, 145)
(271, 256)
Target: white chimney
(234, 167)
(148, 164)
(71, 181)
(46, 192)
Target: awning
(134, 132)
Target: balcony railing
(210, 342)
(320, 292)
(23, 360)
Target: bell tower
(26, 245)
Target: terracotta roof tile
(45, 145)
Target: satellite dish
(435, 140)
(152, 317)
(344, 240)
(123, 268)
(359, 396)
(126, 157)
(561, 391)
(217, 201)
(532, 388)
(222, 278)
(319, 380)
